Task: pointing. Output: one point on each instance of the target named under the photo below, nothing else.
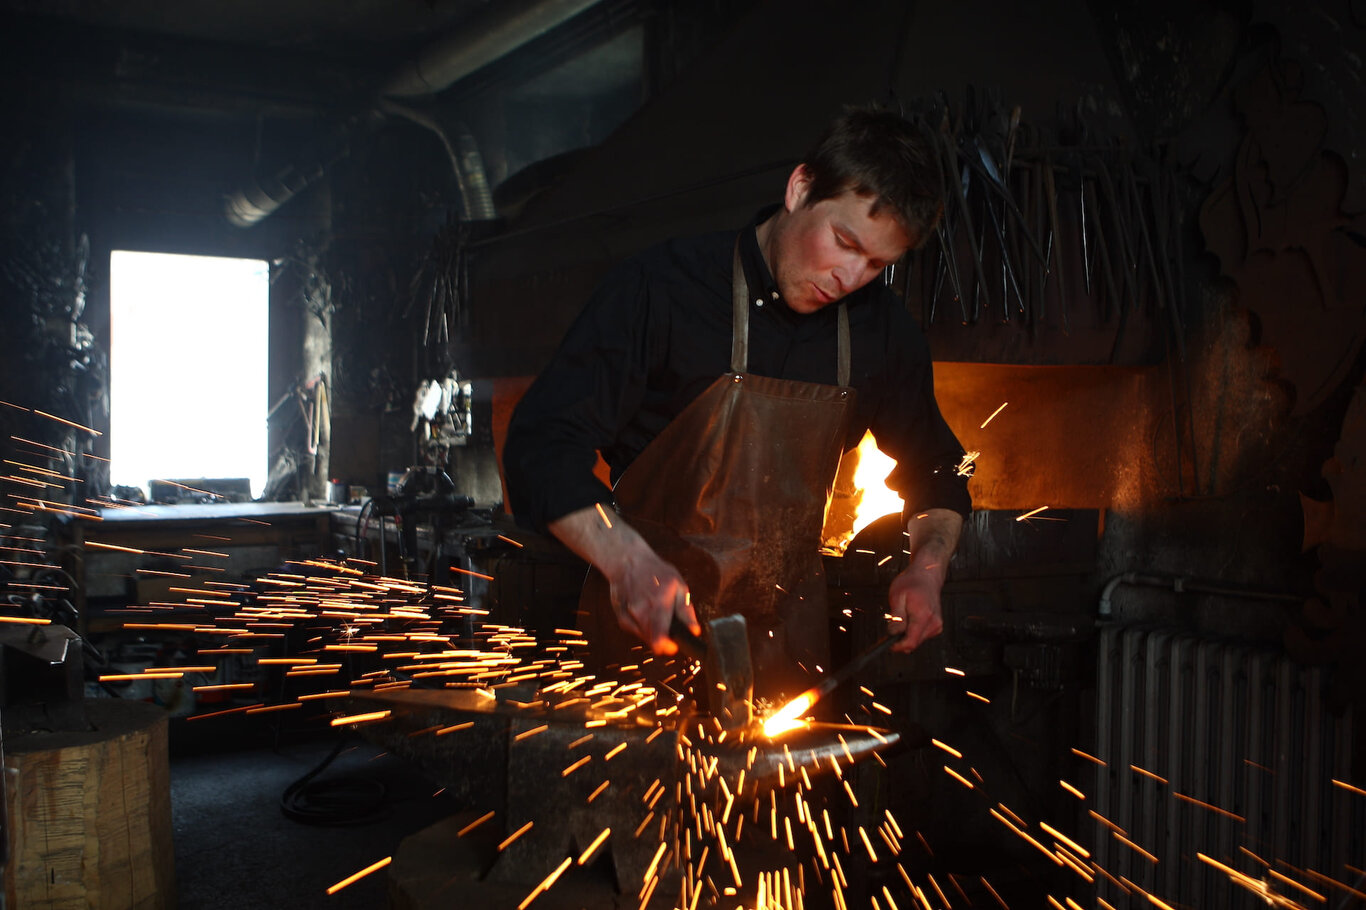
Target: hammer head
(727, 672)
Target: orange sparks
(982, 698)
(1348, 787)
(360, 718)
(1013, 817)
(468, 572)
(163, 674)
(993, 415)
(1231, 872)
(1071, 844)
(1090, 758)
(576, 766)
(67, 422)
(1030, 514)
(654, 863)
(872, 854)
(947, 748)
(961, 779)
(514, 835)
(25, 620)
(1294, 884)
(598, 792)
(545, 885)
(1205, 805)
(1334, 883)
(1133, 846)
(359, 875)
(603, 514)
(593, 847)
(474, 824)
(1146, 773)
(526, 734)
(109, 546)
(1071, 789)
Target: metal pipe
(467, 163)
(447, 60)
(260, 198)
(1181, 584)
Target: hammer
(724, 654)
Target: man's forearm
(931, 538)
(647, 592)
(600, 537)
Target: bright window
(187, 389)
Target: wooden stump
(90, 813)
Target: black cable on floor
(336, 801)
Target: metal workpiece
(802, 754)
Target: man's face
(822, 252)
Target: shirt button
(758, 301)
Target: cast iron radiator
(1223, 749)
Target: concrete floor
(235, 848)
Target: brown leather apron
(733, 493)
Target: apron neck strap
(739, 342)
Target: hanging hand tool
(1054, 263)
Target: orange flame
(871, 498)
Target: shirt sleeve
(580, 402)
(909, 428)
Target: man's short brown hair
(880, 154)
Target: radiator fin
(1233, 726)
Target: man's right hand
(647, 592)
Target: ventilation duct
(434, 69)
(446, 61)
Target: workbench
(232, 542)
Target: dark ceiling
(293, 58)
(353, 25)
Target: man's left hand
(913, 599)
(914, 605)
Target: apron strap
(739, 333)
(739, 338)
